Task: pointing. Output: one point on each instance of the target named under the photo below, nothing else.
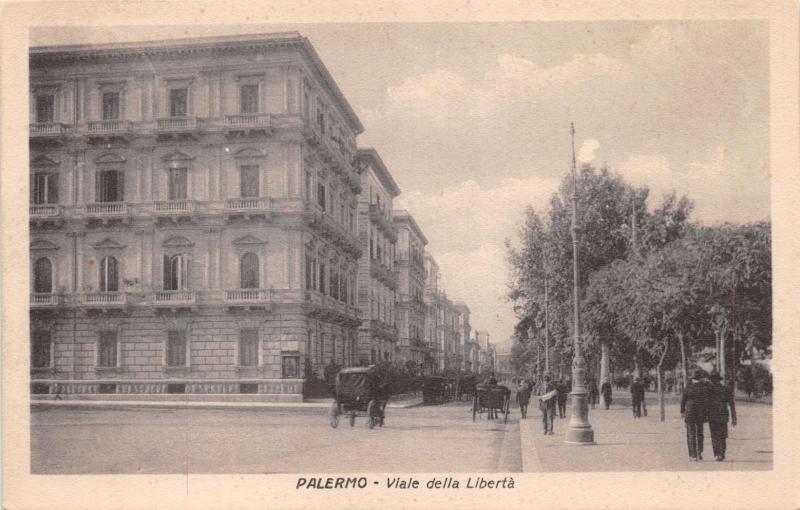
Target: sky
(472, 120)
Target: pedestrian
(694, 404)
(523, 397)
(547, 404)
(605, 390)
(637, 396)
(594, 393)
(563, 390)
(720, 399)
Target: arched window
(248, 271)
(109, 275)
(43, 275)
(176, 272)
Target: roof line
(404, 215)
(383, 173)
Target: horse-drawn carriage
(435, 390)
(491, 399)
(466, 386)
(360, 391)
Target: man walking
(593, 391)
(637, 397)
(720, 399)
(563, 390)
(547, 404)
(605, 389)
(523, 397)
(694, 404)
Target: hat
(699, 374)
(715, 376)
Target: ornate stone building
(377, 279)
(194, 219)
(410, 264)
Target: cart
(360, 392)
(466, 386)
(434, 390)
(491, 398)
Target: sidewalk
(623, 443)
(403, 402)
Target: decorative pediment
(43, 161)
(248, 240)
(250, 152)
(109, 158)
(43, 244)
(177, 242)
(108, 244)
(177, 156)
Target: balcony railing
(45, 211)
(44, 299)
(248, 120)
(108, 126)
(103, 209)
(104, 299)
(177, 123)
(248, 204)
(174, 206)
(46, 129)
(174, 297)
(245, 296)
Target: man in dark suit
(694, 405)
(637, 397)
(605, 390)
(548, 404)
(720, 399)
(563, 390)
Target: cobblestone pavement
(419, 439)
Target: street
(419, 439)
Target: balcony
(44, 300)
(174, 208)
(383, 274)
(247, 207)
(45, 211)
(47, 130)
(104, 300)
(106, 211)
(247, 296)
(176, 125)
(247, 122)
(108, 127)
(174, 298)
(383, 222)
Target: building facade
(410, 264)
(377, 279)
(193, 218)
(463, 332)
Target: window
(107, 349)
(290, 366)
(45, 189)
(309, 272)
(178, 178)
(321, 195)
(43, 275)
(176, 272)
(110, 105)
(109, 275)
(248, 348)
(333, 287)
(248, 181)
(248, 271)
(309, 189)
(178, 102)
(176, 349)
(45, 108)
(322, 277)
(41, 349)
(320, 118)
(109, 186)
(248, 99)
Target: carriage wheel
(370, 412)
(505, 420)
(334, 415)
(352, 419)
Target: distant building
(463, 332)
(377, 279)
(410, 265)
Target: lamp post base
(579, 430)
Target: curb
(133, 404)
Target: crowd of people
(706, 399)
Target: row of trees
(656, 291)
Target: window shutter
(98, 187)
(120, 195)
(113, 275)
(52, 189)
(185, 272)
(167, 270)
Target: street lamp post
(579, 430)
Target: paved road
(420, 439)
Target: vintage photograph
(512, 247)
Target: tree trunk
(605, 362)
(636, 370)
(661, 409)
(683, 360)
(723, 365)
